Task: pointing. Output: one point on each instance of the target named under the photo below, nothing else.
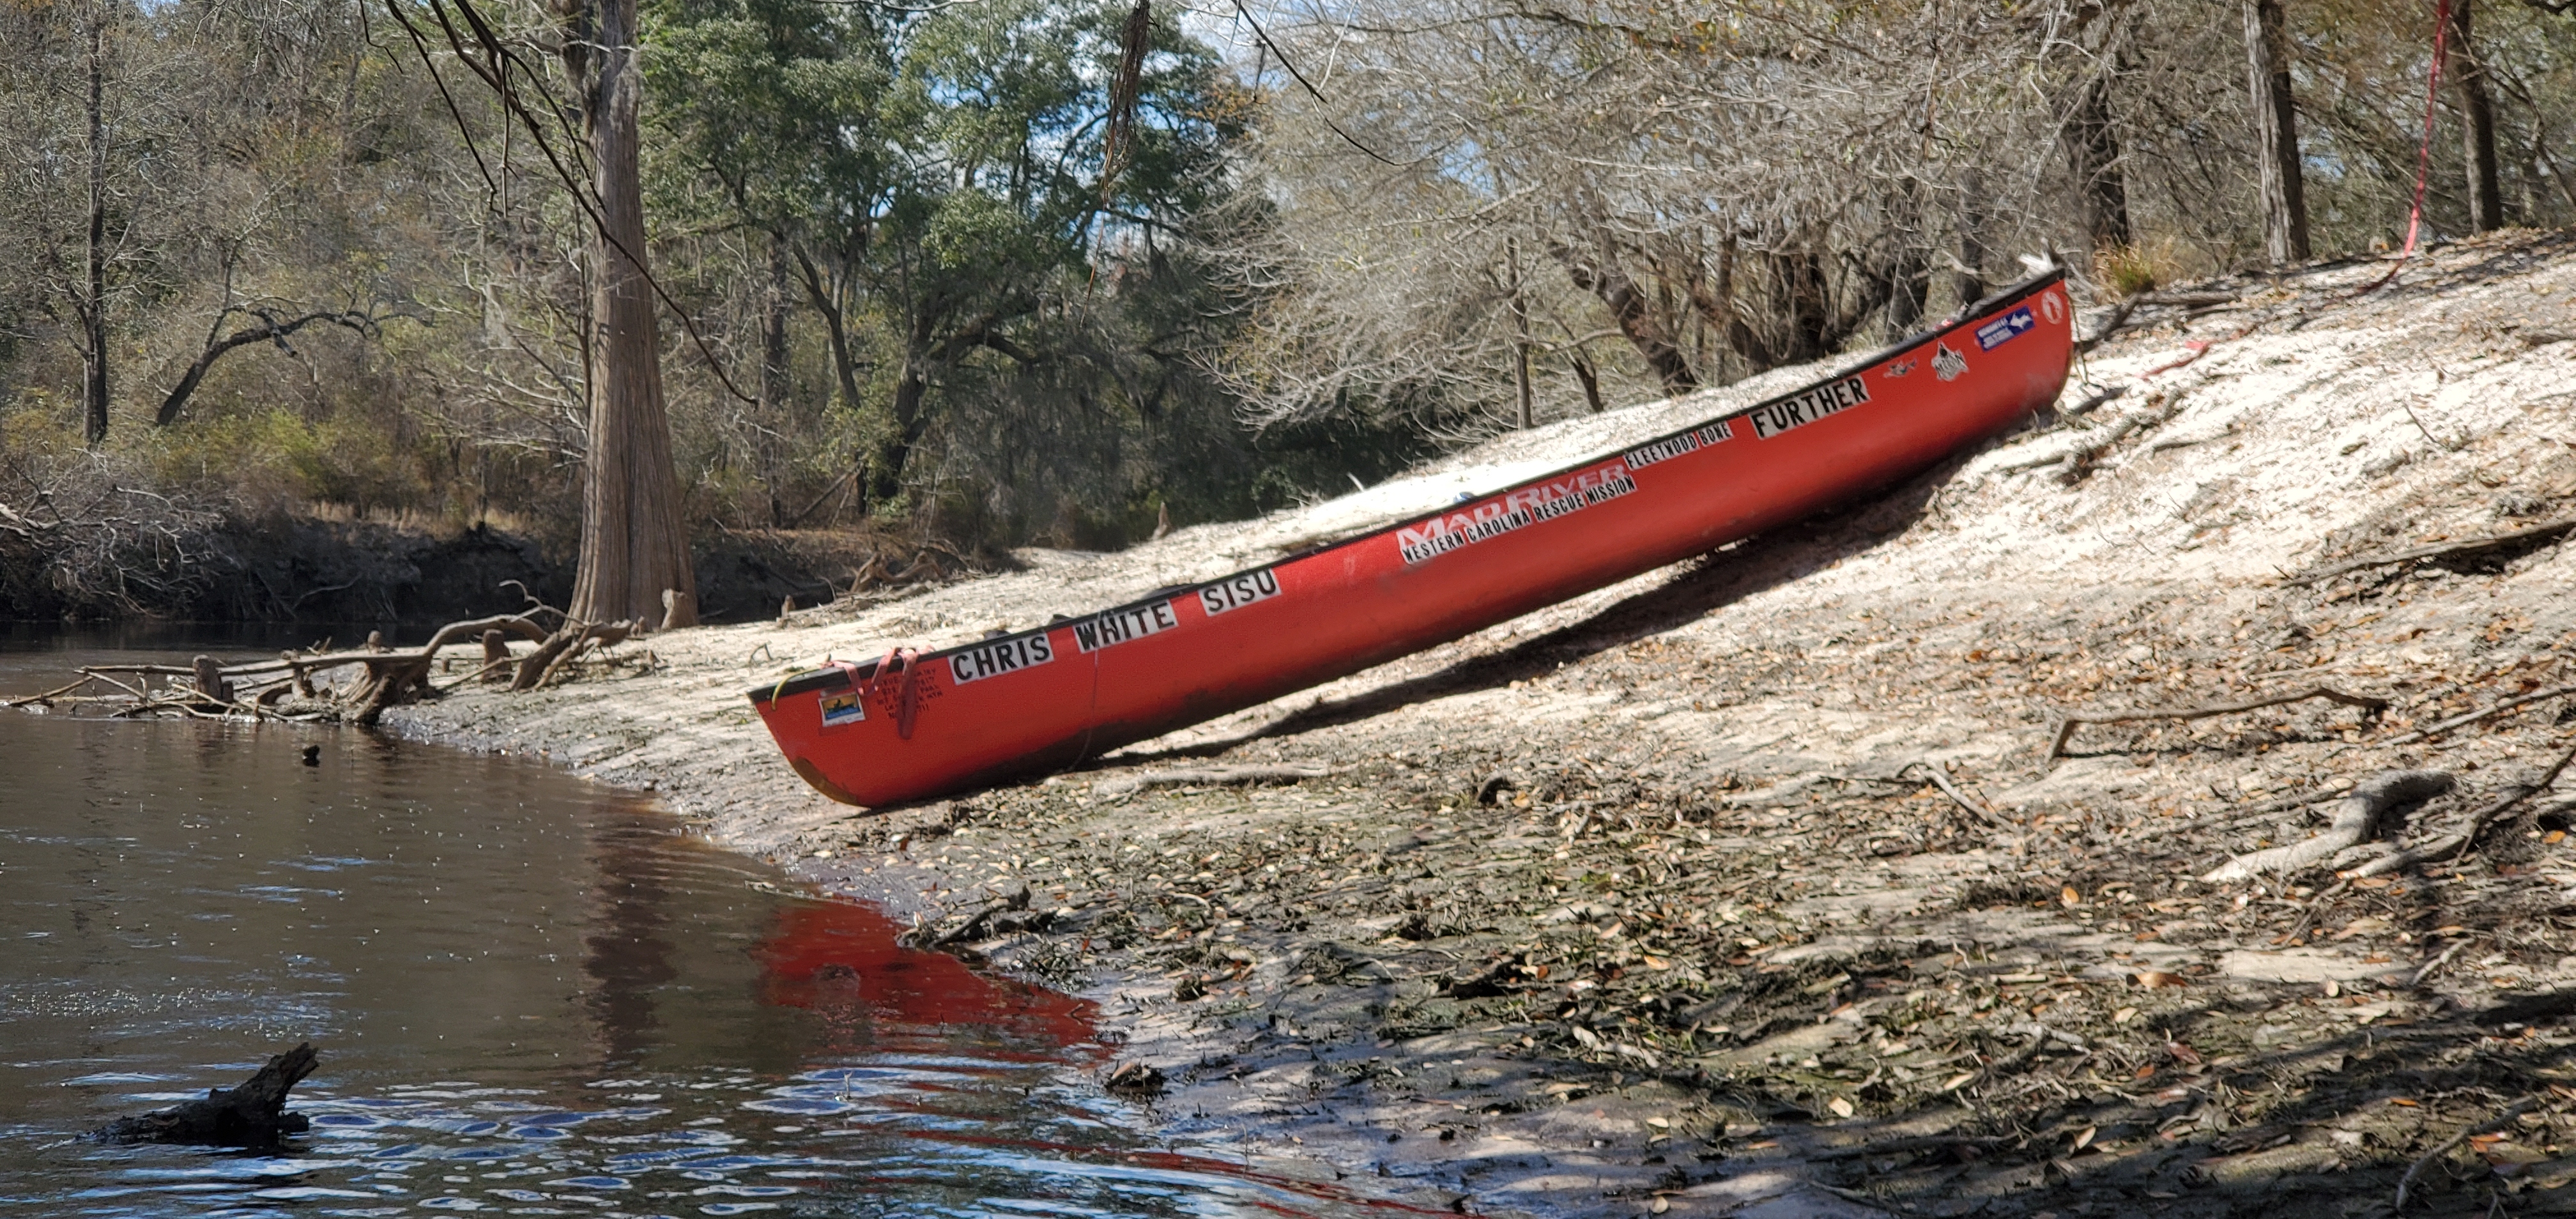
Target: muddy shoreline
(1648, 903)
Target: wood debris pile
(299, 686)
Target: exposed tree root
(2066, 722)
(2534, 535)
(2358, 819)
(2509, 704)
(2468, 833)
(1126, 784)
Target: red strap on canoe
(2423, 146)
(907, 695)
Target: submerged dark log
(250, 1115)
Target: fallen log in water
(252, 1114)
(284, 688)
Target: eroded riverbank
(1648, 902)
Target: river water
(532, 996)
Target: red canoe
(917, 725)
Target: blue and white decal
(2004, 329)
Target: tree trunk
(909, 420)
(773, 375)
(2093, 144)
(2276, 133)
(1629, 308)
(1590, 378)
(2477, 114)
(633, 544)
(1520, 339)
(1970, 279)
(1909, 278)
(92, 312)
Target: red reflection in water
(839, 959)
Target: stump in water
(212, 685)
(251, 1115)
(496, 657)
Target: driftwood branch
(2086, 456)
(560, 648)
(259, 689)
(2460, 839)
(252, 1114)
(452, 633)
(2359, 818)
(2067, 721)
(2533, 535)
(2498, 1122)
(2509, 704)
(1125, 784)
(2110, 326)
(1940, 776)
(2228, 819)
(1008, 916)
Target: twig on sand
(2082, 460)
(2449, 843)
(2542, 532)
(2230, 818)
(1940, 776)
(2444, 445)
(2438, 962)
(2509, 704)
(2489, 1126)
(1125, 784)
(2356, 820)
(2067, 721)
(2111, 326)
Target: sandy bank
(1644, 900)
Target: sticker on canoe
(1831, 398)
(1235, 592)
(1110, 628)
(2051, 308)
(1671, 447)
(2004, 329)
(843, 708)
(1001, 656)
(1560, 496)
(1947, 364)
(1517, 509)
(1900, 368)
(1449, 531)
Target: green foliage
(1007, 346)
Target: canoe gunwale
(815, 679)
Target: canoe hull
(1045, 698)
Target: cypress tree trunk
(2276, 133)
(2093, 143)
(92, 311)
(633, 545)
(773, 375)
(2477, 114)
